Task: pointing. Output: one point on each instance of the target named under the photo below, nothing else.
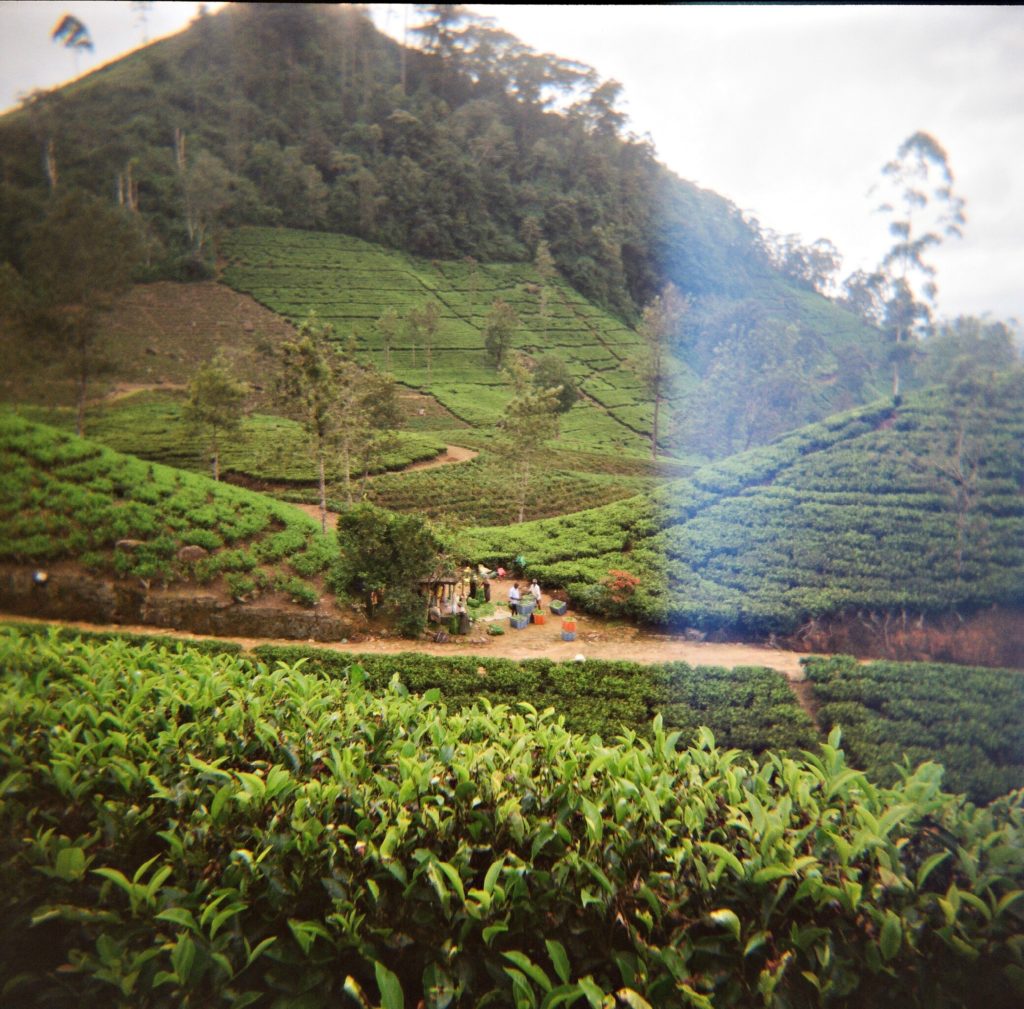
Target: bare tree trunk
(654, 431)
(323, 488)
(346, 461)
(50, 165)
(80, 424)
(83, 383)
(524, 484)
(405, 43)
(216, 458)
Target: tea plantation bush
(351, 283)
(917, 507)
(747, 707)
(66, 497)
(184, 830)
(969, 720)
(151, 426)
(478, 491)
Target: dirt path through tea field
(595, 639)
(451, 454)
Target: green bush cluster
(185, 830)
(969, 720)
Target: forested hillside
(466, 144)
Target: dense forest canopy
(307, 116)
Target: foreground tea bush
(186, 830)
(749, 707)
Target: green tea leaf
(182, 957)
(891, 937)
(728, 920)
(559, 959)
(929, 865)
(528, 967)
(391, 995)
(70, 863)
(632, 999)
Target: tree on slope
(923, 211)
(78, 259)
(343, 406)
(216, 401)
(308, 387)
(423, 322)
(552, 373)
(499, 329)
(660, 328)
(529, 420)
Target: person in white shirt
(513, 598)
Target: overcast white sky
(789, 111)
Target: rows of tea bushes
(969, 720)
(351, 283)
(150, 425)
(67, 497)
(478, 491)
(917, 507)
(750, 708)
(57, 633)
(185, 830)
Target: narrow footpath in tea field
(451, 455)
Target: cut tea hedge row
(271, 448)
(350, 284)
(478, 491)
(969, 720)
(749, 707)
(181, 830)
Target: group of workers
(515, 597)
(448, 602)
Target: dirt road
(595, 639)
